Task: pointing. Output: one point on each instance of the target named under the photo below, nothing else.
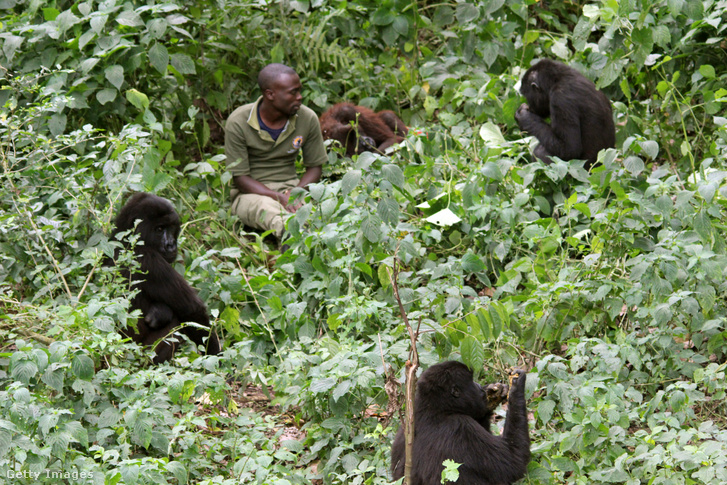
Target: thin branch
(411, 374)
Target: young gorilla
(452, 422)
(359, 129)
(581, 122)
(165, 298)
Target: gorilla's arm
(505, 457)
(161, 282)
(561, 138)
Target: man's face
(285, 94)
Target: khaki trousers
(262, 212)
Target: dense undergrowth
(608, 285)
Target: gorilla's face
(163, 238)
(533, 90)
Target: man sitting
(262, 142)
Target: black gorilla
(165, 298)
(452, 421)
(581, 122)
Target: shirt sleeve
(236, 149)
(314, 152)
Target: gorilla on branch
(581, 121)
(452, 422)
(165, 298)
(359, 129)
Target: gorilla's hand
(368, 143)
(522, 112)
(517, 384)
(158, 316)
(495, 394)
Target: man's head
(281, 88)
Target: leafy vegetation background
(608, 286)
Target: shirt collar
(287, 129)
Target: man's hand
(284, 199)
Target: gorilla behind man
(358, 129)
(165, 298)
(581, 122)
(452, 422)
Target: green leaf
(115, 75)
(159, 58)
(650, 147)
(492, 135)
(129, 18)
(471, 263)
(98, 22)
(365, 268)
(383, 16)
(634, 165)
(341, 389)
(443, 15)
(88, 64)
(85, 38)
(82, 366)
(47, 422)
(230, 318)
(493, 6)
(322, 385)
(545, 411)
(450, 473)
(492, 170)
(384, 273)
(57, 124)
(707, 190)
(54, 378)
(24, 370)
(467, 13)
(707, 71)
(109, 417)
(350, 181)
(394, 175)
(277, 53)
(473, 354)
(183, 64)
(138, 99)
(179, 471)
(583, 209)
(50, 14)
(388, 210)
(142, 431)
(401, 25)
(371, 228)
(106, 95)
(703, 225)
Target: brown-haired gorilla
(165, 298)
(581, 121)
(452, 422)
(359, 129)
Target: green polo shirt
(251, 151)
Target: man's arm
(311, 175)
